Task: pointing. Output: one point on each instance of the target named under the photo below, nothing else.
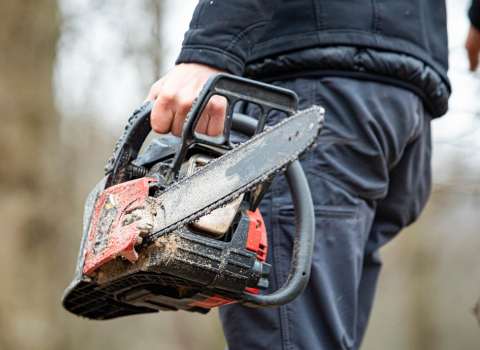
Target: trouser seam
(279, 268)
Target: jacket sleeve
(223, 32)
(474, 14)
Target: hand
(175, 94)
(473, 47)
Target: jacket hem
(338, 37)
(325, 73)
(366, 64)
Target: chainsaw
(178, 226)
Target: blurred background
(71, 73)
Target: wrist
(222, 60)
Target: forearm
(223, 33)
(221, 36)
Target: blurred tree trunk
(29, 173)
(48, 165)
(154, 52)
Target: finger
(154, 91)
(180, 114)
(162, 114)
(216, 115)
(202, 124)
(214, 112)
(150, 97)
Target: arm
(220, 39)
(473, 40)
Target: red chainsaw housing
(112, 238)
(257, 235)
(108, 237)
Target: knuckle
(167, 97)
(185, 105)
(217, 105)
(155, 87)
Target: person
(380, 71)
(473, 40)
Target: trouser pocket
(335, 274)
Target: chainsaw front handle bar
(233, 89)
(304, 230)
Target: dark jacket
(401, 42)
(474, 14)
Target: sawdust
(168, 247)
(169, 244)
(111, 269)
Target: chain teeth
(279, 168)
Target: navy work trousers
(369, 176)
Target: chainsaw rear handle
(233, 88)
(304, 231)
